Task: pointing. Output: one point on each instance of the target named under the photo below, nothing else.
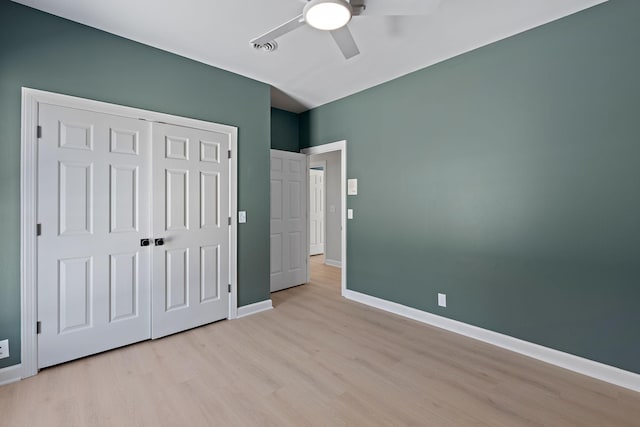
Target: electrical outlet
(4, 349)
(442, 300)
(242, 217)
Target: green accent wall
(509, 179)
(285, 132)
(42, 51)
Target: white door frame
(323, 164)
(326, 148)
(28, 201)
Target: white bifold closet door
(289, 248)
(107, 184)
(93, 207)
(191, 215)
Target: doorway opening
(327, 211)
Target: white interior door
(93, 203)
(316, 211)
(191, 212)
(289, 248)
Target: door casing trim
(340, 146)
(31, 98)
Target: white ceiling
(307, 69)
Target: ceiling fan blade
(399, 7)
(345, 42)
(280, 30)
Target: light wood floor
(316, 359)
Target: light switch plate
(4, 349)
(352, 187)
(349, 213)
(242, 217)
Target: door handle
(159, 242)
(145, 242)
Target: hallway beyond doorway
(323, 275)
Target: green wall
(41, 51)
(508, 178)
(285, 133)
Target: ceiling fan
(334, 15)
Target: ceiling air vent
(269, 46)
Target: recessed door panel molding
(124, 141)
(177, 278)
(90, 171)
(295, 166)
(289, 248)
(123, 199)
(276, 163)
(209, 151)
(209, 199)
(76, 198)
(209, 273)
(296, 251)
(177, 148)
(123, 283)
(277, 251)
(276, 199)
(295, 200)
(75, 283)
(177, 199)
(75, 136)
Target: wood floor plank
(315, 360)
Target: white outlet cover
(349, 213)
(242, 217)
(442, 300)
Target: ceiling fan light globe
(327, 14)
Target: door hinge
(229, 288)
(39, 131)
(38, 229)
(38, 327)
(229, 220)
(229, 153)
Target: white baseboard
(574, 363)
(10, 374)
(333, 263)
(254, 308)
